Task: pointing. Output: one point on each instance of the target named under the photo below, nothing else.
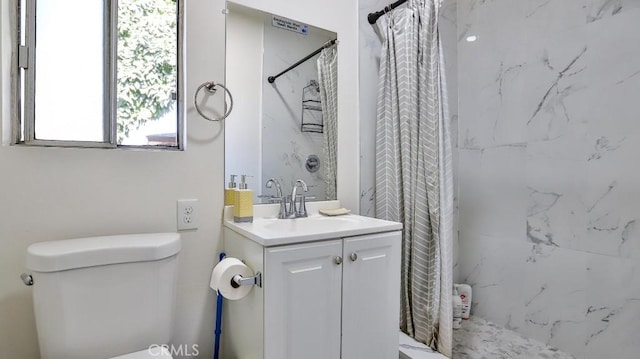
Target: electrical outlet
(187, 214)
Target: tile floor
(480, 339)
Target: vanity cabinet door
(371, 296)
(302, 287)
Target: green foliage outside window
(147, 62)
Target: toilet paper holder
(239, 280)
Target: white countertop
(268, 230)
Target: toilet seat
(154, 352)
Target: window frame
(25, 100)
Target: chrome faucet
(289, 209)
(283, 213)
(271, 182)
(301, 210)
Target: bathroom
(546, 224)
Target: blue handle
(218, 331)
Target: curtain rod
(374, 16)
(327, 44)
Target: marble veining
(538, 222)
(367, 200)
(568, 71)
(549, 216)
(600, 9)
(628, 77)
(478, 338)
(630, 233)
(603, 146)
(543, 106)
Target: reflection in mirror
(286, 129)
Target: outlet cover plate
(187, 214)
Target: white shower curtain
(413, 167)
(328, 80)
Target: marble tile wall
(549, 202)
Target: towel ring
(211, 88)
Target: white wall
(243, 129)
(55, 193)
(340, 17)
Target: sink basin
(312, 224)
(267, 230)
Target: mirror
(286, 129)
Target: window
(100, 73)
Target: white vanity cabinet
(371, 296)
(302, 299)
(328, 299)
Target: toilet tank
(102, 297)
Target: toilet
(105, 297)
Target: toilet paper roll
(222, 274)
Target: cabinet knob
(338, 260)
(354, 256)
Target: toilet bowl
(105, 297)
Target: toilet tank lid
(96, 251)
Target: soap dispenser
(230, 192)
(243, 206)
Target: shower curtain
(413, 167)
(328, 79)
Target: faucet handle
(269, 184)
(301, 210)
(302, 183)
